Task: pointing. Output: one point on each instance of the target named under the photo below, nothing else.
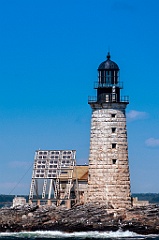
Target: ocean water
(49, 235)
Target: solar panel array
(52, 164)
(50, 169)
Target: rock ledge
(89, 217)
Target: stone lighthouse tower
(109, 180)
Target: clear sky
(49, 54)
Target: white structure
(108, 178)
(19, 201)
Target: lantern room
(108, 85)
(108, 72)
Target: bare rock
(142, 220)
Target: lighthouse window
(113, 145)
(114, 161)
(113, 130)
(113, 115)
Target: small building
(57, 180)
(19, 201)
(82, 180)
(138, 203)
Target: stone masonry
(109, 180)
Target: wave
(76, 235)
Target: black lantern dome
(108, 64)
(108, 86)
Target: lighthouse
(109, 177)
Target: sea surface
(51, 235)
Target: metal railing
(110, 99)
(105, 85)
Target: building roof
(82, 173)
(108, 64)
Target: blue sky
(49, 54)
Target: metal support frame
(55, 169)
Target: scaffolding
(52, 178)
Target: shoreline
(86, 234)
(82, 218)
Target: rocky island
(89, 217)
